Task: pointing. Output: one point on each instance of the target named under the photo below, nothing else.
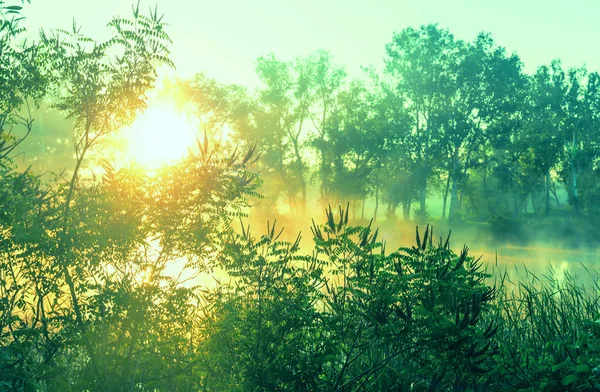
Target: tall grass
(548, 331)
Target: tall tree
(419, 60)
(547, 120)
(327, 82)
(280, 119)
(24, 79)
(101, 86)
(392, 175)
(504, 117)
(580, 134)
(356, 145)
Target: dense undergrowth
(350, 316)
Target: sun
(158, 136)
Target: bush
(347, 317)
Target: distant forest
(446, 119)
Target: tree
(461, 123)
(295, 108)
(394, 173)
(327, 80)
(504, 116)
(89, 296)
(547, 120)
(26, 343)
(284, 112)
(579, 135)
(419, 61)
(24, 79)
(355, 145)
(102, 94)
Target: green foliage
(91, 298)
(102, 86)
(548, 337)
(446, 117)
(24, 78)
(347, 317)
(126, 235)
(99, 277)
(351, 317)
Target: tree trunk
(376, 204)
(454, 191)
(391, 211)
(303, 202)
(574, 193)
(300, 173)
(423, 195)
(406, 210)
(362, 213)
(324, 180)
(300, 168)
(485, 165)
(553, 190)
(516, 201)
(547, 193)
(445, 196)
(453, 201)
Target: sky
(223, 38)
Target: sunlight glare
(160, 135)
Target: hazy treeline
(445, 117)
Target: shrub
(349, 316)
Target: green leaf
(570, 379)
(583, 368)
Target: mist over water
(522, 252)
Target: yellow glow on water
(158, 136)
